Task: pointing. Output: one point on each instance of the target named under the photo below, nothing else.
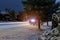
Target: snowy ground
(18, 31)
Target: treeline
(10, 15)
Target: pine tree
(44, 9)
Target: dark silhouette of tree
(56, 15)
(12, 13)
(57, 8)
(1, 16)
(44, 8)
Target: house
(20, 16)
(4, 16)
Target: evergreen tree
(12, 13)
(44, 8)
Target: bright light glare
(32, 20)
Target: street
(18, 31)
(12, 24)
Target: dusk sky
(14, 4)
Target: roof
(4, 12)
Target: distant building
(4, 12)
(4, 16)
(20, 16)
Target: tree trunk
(38, 24)
(47, 23)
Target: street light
(33, 20)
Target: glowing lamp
(33, 20)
